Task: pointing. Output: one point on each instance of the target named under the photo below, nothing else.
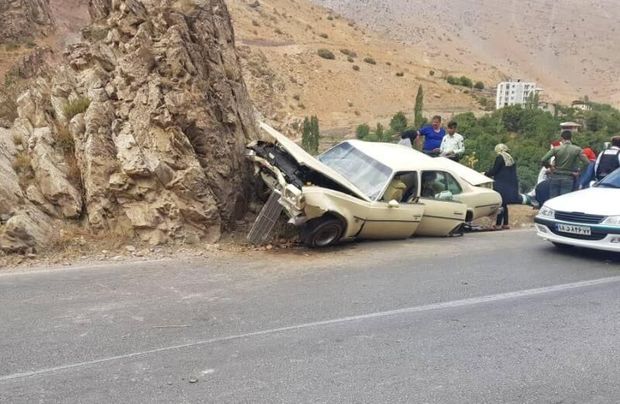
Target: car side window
(453, 185)
(402, 188)
(433, 183)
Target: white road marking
(408, 310)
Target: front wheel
(322, 232)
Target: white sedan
(589, 218)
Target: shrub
(356, 68)
(455, 81)
(370, 61)
(74, 107)
(12, 46)
(350, 59)
(323, 35)
(400, 74)
(30, 44)
(64, 139)
(326, 54)
(466, 81)
(431, 73)
(330, 18)
(348, 52)
(362, 131)
(278, 31)
(21, 164)
(479, 85)
(398, 122)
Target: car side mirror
(393, 204)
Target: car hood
(593, 201)
(305, 159)
(473, 177)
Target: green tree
(316, 136)
(362, 131)
(310, 137)
(418, 120)
(479, 85)
(398, 122)
(380, 133)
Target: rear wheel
(322, 232)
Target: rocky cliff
(24, 19)
(141, 130)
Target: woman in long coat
(504, 172)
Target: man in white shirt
(452, 145)
(608, 160)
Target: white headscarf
(503, 150)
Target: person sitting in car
(430, 185)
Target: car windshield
(612, 180)
(366, 173)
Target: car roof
(397, 157)
(404, 158)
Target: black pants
(502, 217)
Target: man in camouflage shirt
(567, 159)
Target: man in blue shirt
(433, 135)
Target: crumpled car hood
(305, 159)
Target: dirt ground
(83, 250)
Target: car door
(442, 214)
(392, 218)
(383, 221)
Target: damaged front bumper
(291, 197)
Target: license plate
(581, 230)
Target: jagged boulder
(145, 125)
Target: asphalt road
(486, 318)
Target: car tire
(562, 246)
(322, 232)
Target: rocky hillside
(24, 19)
(570, 47)
(141, 130)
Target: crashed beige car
(368, 190)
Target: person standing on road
(567, 159)
(452, 145)
(504, 172)
(433, 135)
(587, 175)
(608, 160)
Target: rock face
(22, 19)
(144, 127)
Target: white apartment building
(514, 93)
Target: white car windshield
(366, 173)
(612, 180)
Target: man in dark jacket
(608, 160)
(567, 160)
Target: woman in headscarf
(504, 172)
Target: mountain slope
(279, 40)
(570, 48)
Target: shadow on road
(586, 254)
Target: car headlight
(546, 212)
(613, 220)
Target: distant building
(582, 105)
(572, 126)
(514, 93)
